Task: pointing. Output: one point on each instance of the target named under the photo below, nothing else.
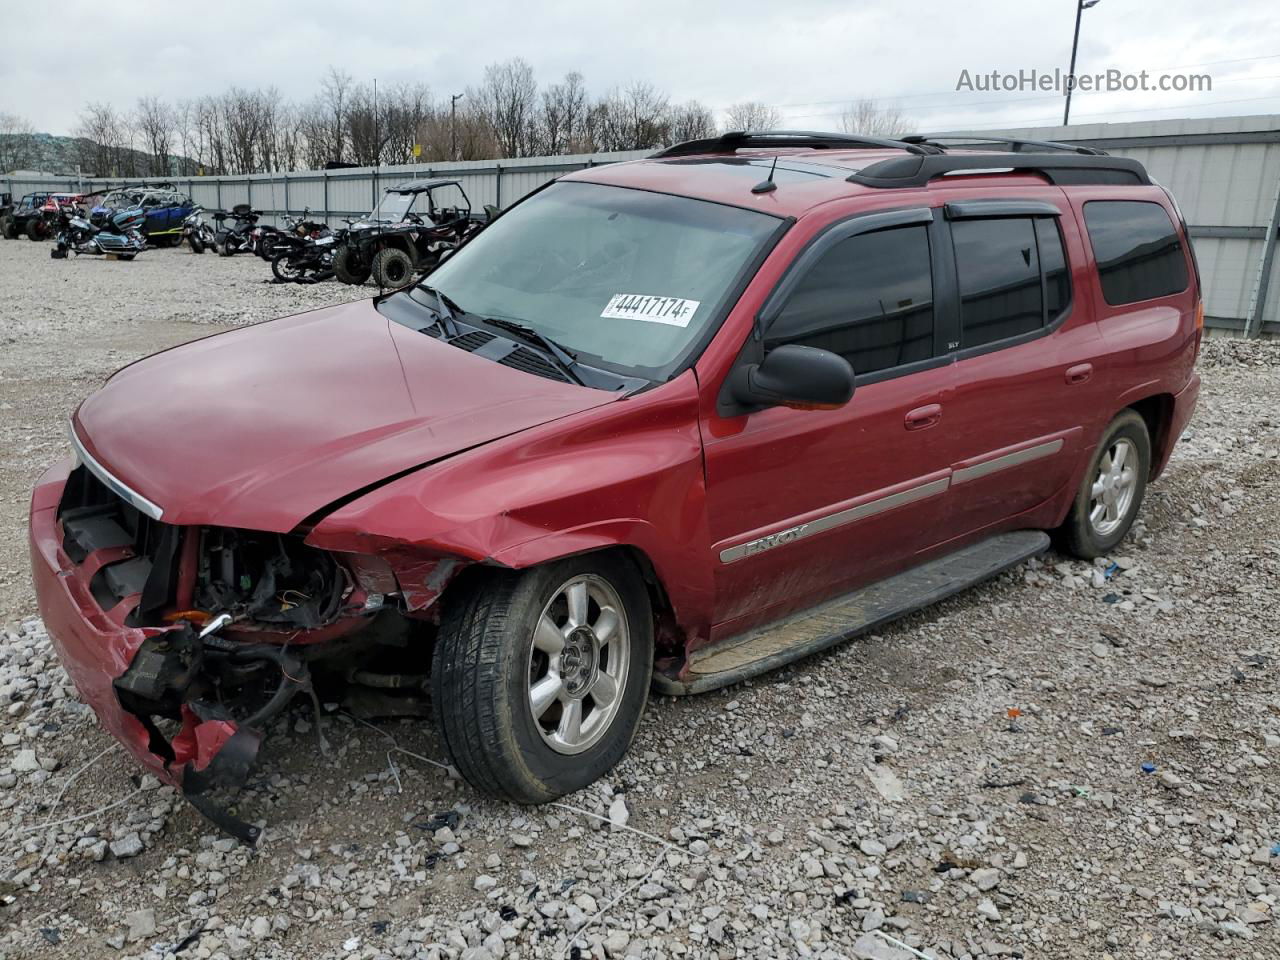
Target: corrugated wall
(1225, 173)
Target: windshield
(626, 277)
(394, 206)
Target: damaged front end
(233, 625)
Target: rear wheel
(8, 229)
(540, 677)
(349, 267)
(392, 268)
(1111, 492)
(285, 267)
(37, 229)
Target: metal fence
(1224, 171)
(353, 192)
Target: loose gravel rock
(1075, 760)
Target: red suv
(671, 422)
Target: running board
(800, 635)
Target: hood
(264, 426)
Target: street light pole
(1081, 7)
(453, 125)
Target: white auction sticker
(675, 311)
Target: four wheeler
(407, 234)
(239, 236)
(35, 215)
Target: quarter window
(869, 299)
(1137, 248)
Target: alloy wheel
(1111, 497)
(578, 659)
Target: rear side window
(869, 299)
(1013, 277)
(1138, 250)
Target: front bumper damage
(190, 699)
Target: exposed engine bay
(238, 624)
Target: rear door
(803, 504)
(1026, 349)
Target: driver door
(808, 504)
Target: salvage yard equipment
(669, 423)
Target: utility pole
(453, 125)
(1081, 7)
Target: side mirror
(795, 376)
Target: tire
(8, 229)
(195, 243)
(282, 268)
(37, 230)
(348, 266)
(1096, 525)
(225, 249)
(392, 268)
(485, 665)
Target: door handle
(1079, 373)
(923, 417)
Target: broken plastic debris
(1148, 767)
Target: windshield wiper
(563, 358)
(446, 312)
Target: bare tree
(564, 109)
(508, 99)
(335, 90)
(156, 123)
(868, 118)
(691, 121)
(17, 142)
(102, 137)
(752, 115)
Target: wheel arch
(1156, 411)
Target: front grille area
(138, 555)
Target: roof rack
(1059, 169)
(739, 139)
(1016, 144)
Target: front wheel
(289, 266)
(540, 677)
(195, 243)
(1112, 489)
(37, 230)
(8, 229)
(392, 268)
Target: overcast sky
(806, 57)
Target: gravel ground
(1074, 760)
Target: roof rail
(1016, 144)
(738, 139)
(1059, 169)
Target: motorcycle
(239, 236)
(303, 260)
(268, 240)
(115, 233)
(198, 234)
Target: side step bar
(767, 648)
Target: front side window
(1137, 248)
(626, 278)
(869, 299)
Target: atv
(412, 227)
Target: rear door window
(1013, 277)
(1137, 248)
(869, 299)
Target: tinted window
(870, 299)
(1137, 248)
(999, 271)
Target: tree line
(508, 114)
